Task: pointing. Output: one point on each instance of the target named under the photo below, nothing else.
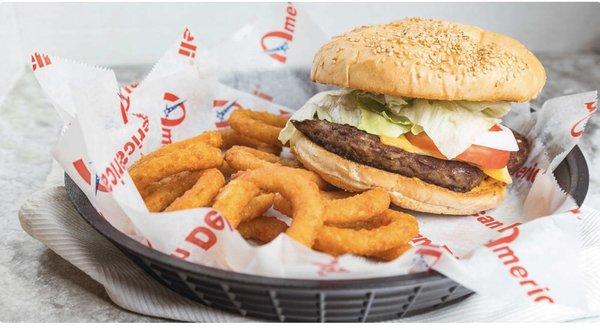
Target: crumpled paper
(524, 250)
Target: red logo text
(276, 43)
(173, 115)
(501, 247)
(187, 47)
(203, 236)
(577, 130)
(527, 173)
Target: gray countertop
(38, 285)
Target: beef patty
(364, 148)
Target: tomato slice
(483, 157)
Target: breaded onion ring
(265, 229)
(345, 211)
(243, 158)
(337, 194)
(195, 157)
(202, 193)
(257, 206)
(212, 138)
(262, 229)
(167, 190)
(262, 126)
(356, 208)
(281, 205)
(232, 138)
(233, 198)
(226, 170)
(395, 229)
(303, 195)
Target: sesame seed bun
(408, 193)
(431, 59)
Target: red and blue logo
(276, 43)
(85, 174)
(112, 175)
(173, 115)
(223, 108)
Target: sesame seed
(436, 45)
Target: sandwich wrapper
(526, 250)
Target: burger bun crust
(430, 59)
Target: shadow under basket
(290, 300)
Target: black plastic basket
(278, 299)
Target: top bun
(430, 59)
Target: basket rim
(575, 160)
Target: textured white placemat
(49, 217)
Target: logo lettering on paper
(422, 241)
(331, 267)
(39, 61)
(428, 254)
(528, 173)
(172, 116)
(263, 95)
(187, 46)
(203, 236)
(276, 43)
(125, 100)
(502, 249)
(112, 174)
(577, 129)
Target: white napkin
(49, 217)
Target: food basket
(282, 299)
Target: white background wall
(113, 33)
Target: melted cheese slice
(401, 142)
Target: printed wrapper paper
(525, 250)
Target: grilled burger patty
(364, 148)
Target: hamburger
(418, 113)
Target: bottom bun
(409, 193)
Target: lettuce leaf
(343, 107)
(452, 125)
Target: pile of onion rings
(240, 172)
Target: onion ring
(233, 198)
(262, 229)
(257, 206)
(243, 158)
(395, 229)
(202, 193)
(356, 208)
(226, 170)
(284, 207)
(167, 190)
(195, 157)
(261, 126)
(337, 194)
(345, 211)
(212, 138)
(302, 194)
(232, 138)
